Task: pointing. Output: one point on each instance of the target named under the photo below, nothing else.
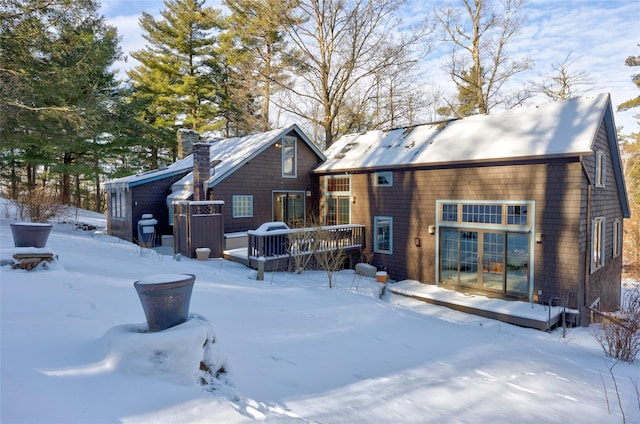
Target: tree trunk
(65, 195)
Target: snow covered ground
(295, 351)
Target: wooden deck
(286, 250)
(523, 314)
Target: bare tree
(565, 83)
(339, 48)
(480, 64)
(328, 251)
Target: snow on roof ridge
(550, 128)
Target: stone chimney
(186, 140)
(201, 170)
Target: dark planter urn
(30, 234)
(165, 299)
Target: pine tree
(55, 59)
(175, 72)
(256, 43)
(635, 102)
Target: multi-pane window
(383, 179)
(118, 204)
(338, 184)
(517, 214)
(450, 212)
(617, 237)
(486, 214)
(383, 234)
(289, 157)
(242, 206)
(601, 168)
(338, 210)
(338, 200)
(597, 244)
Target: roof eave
(452, 164)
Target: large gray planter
(30, 234)
(165, 299)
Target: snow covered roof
(551, 130)
(229, 153)
(178, 167)
(232, 153)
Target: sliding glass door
(496, 261)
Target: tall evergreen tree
(635, 102)
(175, 73)
(255, 44)
(54, 66)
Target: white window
(289, 157)
(601, 168)
(383, 234)
(118, 204)
(597, 243)
(617, 238)
(242, 206)
(383, 179)
(338, 200)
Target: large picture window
(383, 234)
(242, 206)
(486, 245)
(289, 157)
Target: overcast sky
(600, 35)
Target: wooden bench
(30, 261)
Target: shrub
(619, 333)
(38, 205)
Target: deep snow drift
(294, 350)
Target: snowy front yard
(295, 351)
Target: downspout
(587, 265)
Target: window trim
(294, 165)
(598, 236)
(601, 169)
(377, 175)
(337, 195)
(504, 204)
(376, 249)
(117, 204)
(237, 198)
(617, 238)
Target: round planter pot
(165, 299)
(202, 253)
(30, 234)
(381, 277)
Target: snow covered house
(260, 177)
(525, 204)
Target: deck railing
(304, 241)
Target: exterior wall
(144, 198)
(605, 282)
(555, 187)
(566, 200)
(119, 226)
(260, 177)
